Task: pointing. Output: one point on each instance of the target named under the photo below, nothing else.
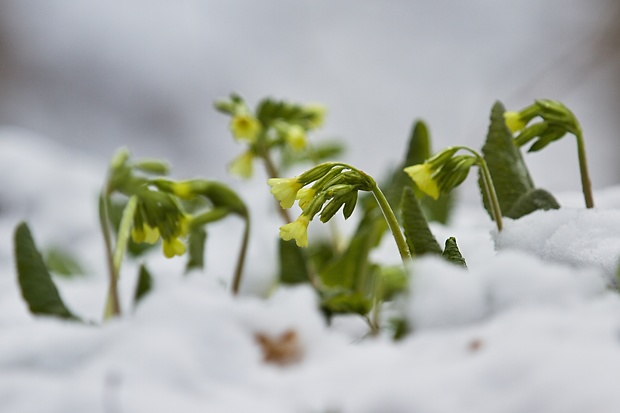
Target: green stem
(115, 257)
(488, 186)
(392, 222)
(124, 229)
(112, 307)
(387, 211)
(491, 195)
(241, 259)
(583, 167)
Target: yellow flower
(241, 166)
(422, 175)
(317, 111)
(172, 247)
(285, 190)
(305, 195)
(183, 189)
(245, 127)
(295, 136)
(146, 234)
(514, 121)
(297, 230)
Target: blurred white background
(97, 74)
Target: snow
(529, 327)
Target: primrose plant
(140, 206)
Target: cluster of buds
(442, 172)
(556, 121)
(159, 213)
(447, 170)
(273, 124)
(322, 190)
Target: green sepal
(144, 285)
(349, 205)
(553, 133)
(196, 248)
(36, 283)
(532, 201)
(221, 195)
(207, 217)
(419, 237)
(152, 166)
(451, 253)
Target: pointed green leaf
(451, 253)
(419, 150)
(508, 171)
(196, 248)
(419, 236)
(533, 200)
(144, 286)
(346, 303)
(293, 267)
(35, 282)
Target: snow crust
(531, 327)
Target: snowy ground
(531, 327)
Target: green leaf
(293, 267)
(144, 286)
(451, 253)
(419, 236)
(394, 280)
(400, 328)
(62, 263)
(532, 201)
(346, 303)
(352, 269)
(418, 150)
(196, 248)
(35, 282)
(505, 162)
